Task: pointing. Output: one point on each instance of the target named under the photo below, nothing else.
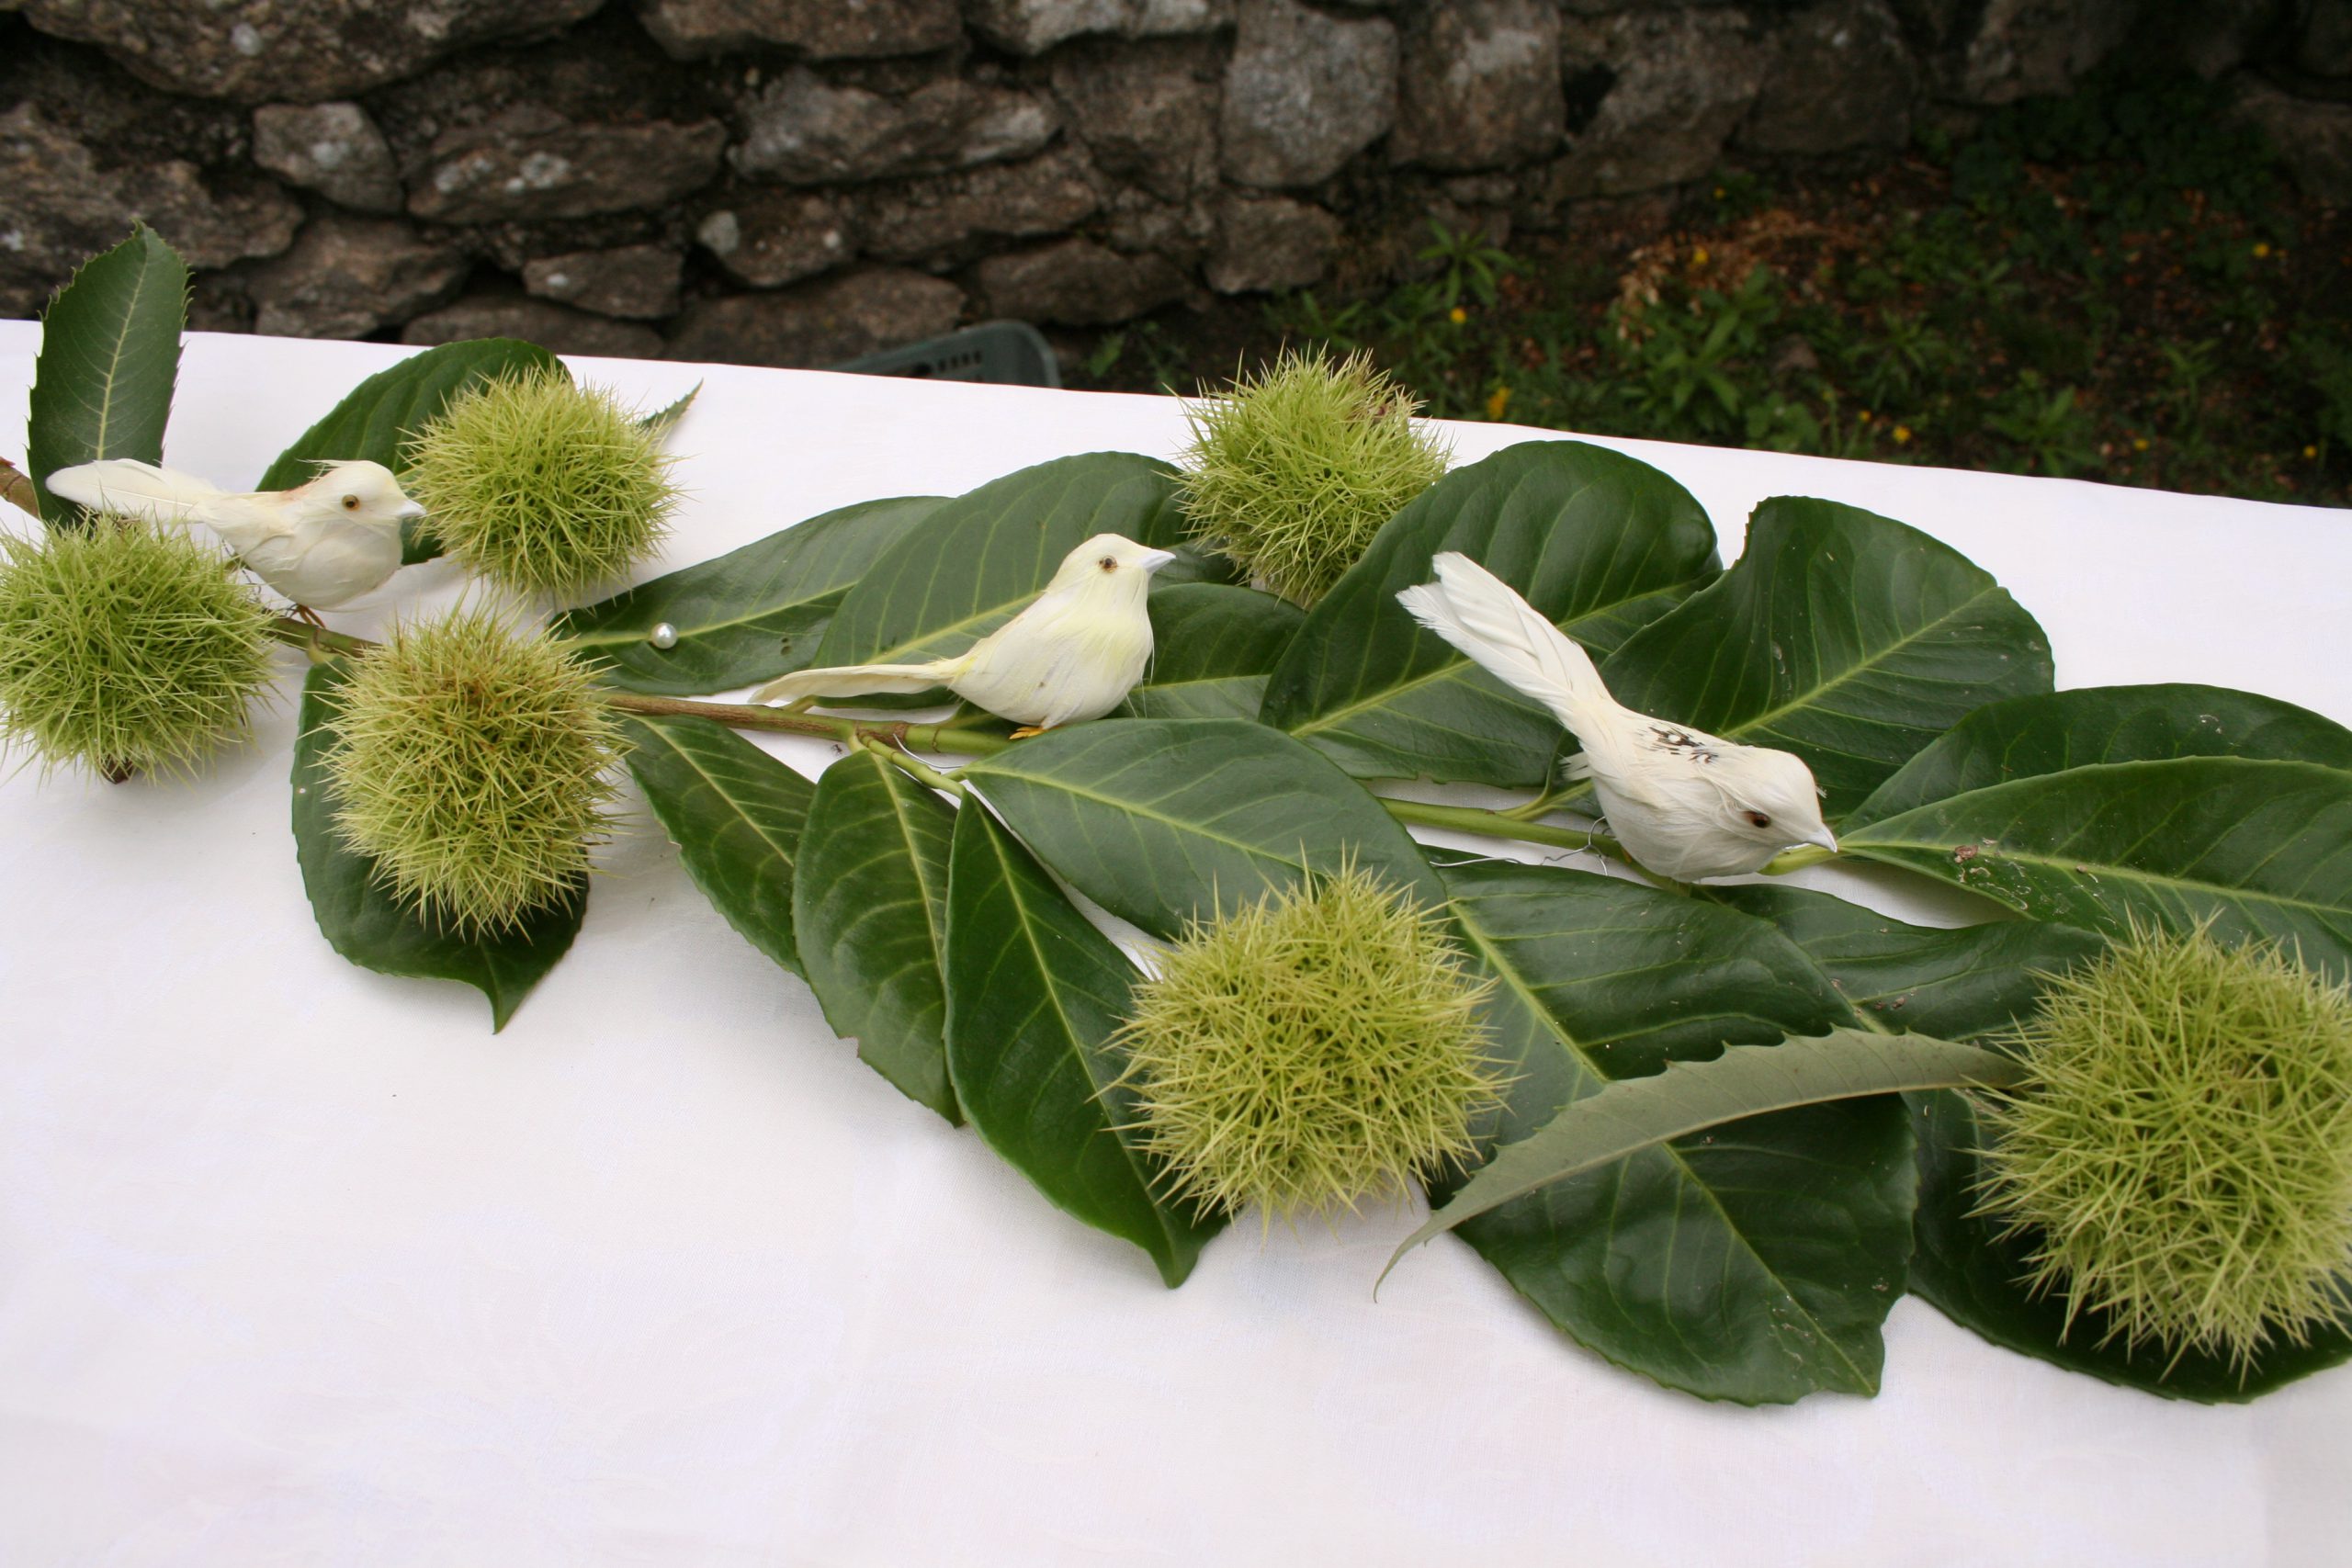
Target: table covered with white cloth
(301, 1264)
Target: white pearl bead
(664, 636)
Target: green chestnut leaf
(109, 355)
(1595, 540)
(746, 616)
(1754, 1262)
(1212, 646)
(1844, 636)
(1961, 982)
(736, 814)
(1163, 821)
(1034, 994)
(1628, 1115)
(869, 913)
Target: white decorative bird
(1684, 805)
(1072, 653)
(322, 544)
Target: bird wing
(1483, 617)
(135, 488)
(270, 530)
(861, 679)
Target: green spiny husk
(542, 486)
(472, 761)
(1293, 471)
(1317, 1048)
(124, 649)
(2180, 1157)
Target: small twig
(1501, 825)
(16, 487)
(911, 765)
(1797, 859)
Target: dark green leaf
(1841, 635)
(367, 926)
(972, 564)
(661, 419)
(748, 616)
(109, 354)
(1625, 1117)
(1974, 1277)
(2261, 849)
(1753, 1263)
(1212, 646)
(1961, 983)
(869, 910)
(1595, 540)
(735, 814)
(1033, 994)
(2028, 737)
(1154, 818)
(379, 414)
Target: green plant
(1470, 268)
(542, 486)
(471, 762)
(1315, 1048)
(1684, 365)
(1293, 471)
(2050, 433)
(124, 650)
(2180, 1153)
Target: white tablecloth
(302, 1265)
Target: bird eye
(1109, 563)
(1760, 819)
(351, 503)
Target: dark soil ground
(2121, 286)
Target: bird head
(1110, 564)
(364, 491)
(1769, 797)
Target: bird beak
(410, 511)
(1824, 840)
(1153, 559)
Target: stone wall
(796, 181)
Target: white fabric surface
(302, 1265)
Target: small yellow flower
(2311, 451)
(1719, 192)
(1498, 400)
(1865, 416)
(2139, 444)
(1698, 257)
(1902, 434)
(1457, 315)
(2261, 249)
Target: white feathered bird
(1073, 652)
(322, 544)
(1683, 804)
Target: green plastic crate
(1009, 354)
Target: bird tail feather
(135, 489)
(859, 680)
(1483, 617)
